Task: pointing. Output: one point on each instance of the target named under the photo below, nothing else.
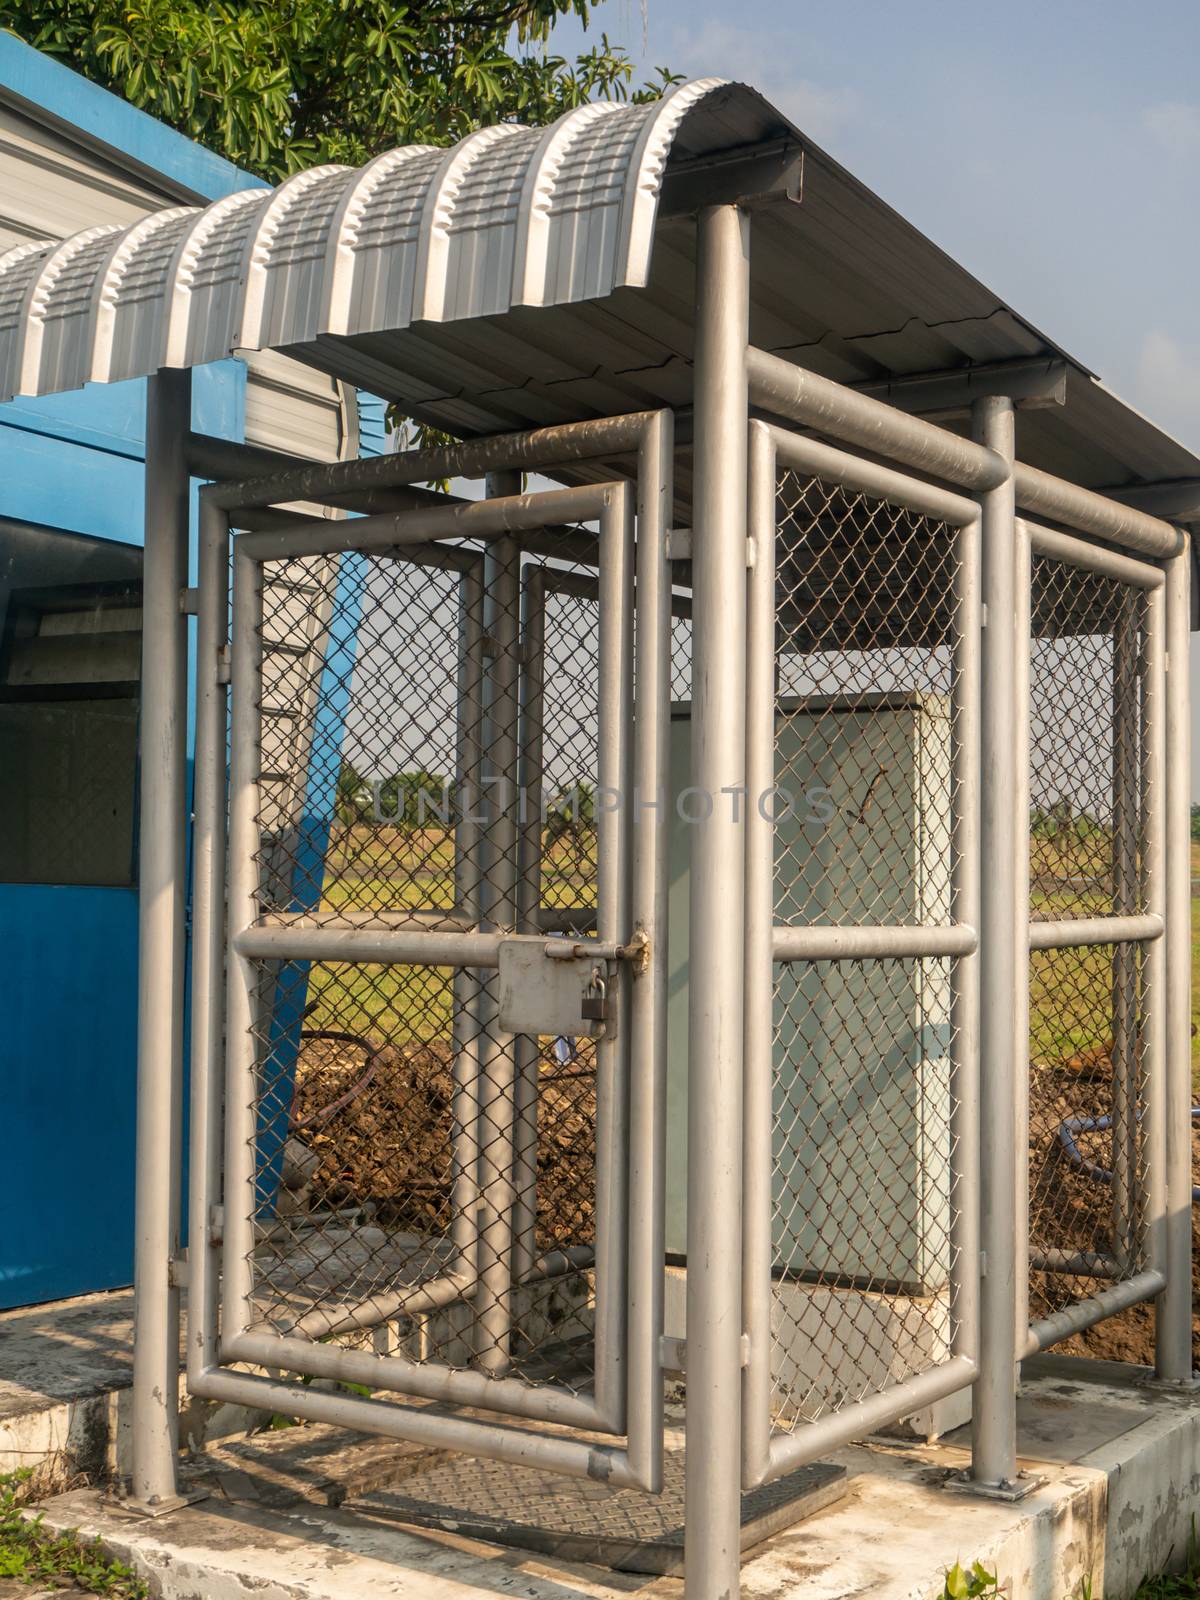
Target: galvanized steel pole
(714, 1299)
(1173, 1320)
(496, 1104)
(1003, 961)
(162, 802)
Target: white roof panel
(509, 216)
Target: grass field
(1070, 1006)
(373, 869)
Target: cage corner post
(714, 1197)
(1004, 961)
(162, 801)
(1173, 1316)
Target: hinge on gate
(216, 1224)
(177, 1270)
(489, 646)
(223, 664)
(679, 544)
(189, 602)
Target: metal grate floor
(580, 1520)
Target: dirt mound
(380, 1118)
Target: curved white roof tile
(509, 216)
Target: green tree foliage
(277, 85)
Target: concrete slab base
(66, 1376)
(1120, 1460)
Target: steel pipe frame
(493, 518)
(496, 1084)
(433, 1293)
(533, 450)
(800, 454)
(1004, 950)
(1092, 513)
(641, 1462)
(801, 396)
(1072, 933)
(715, 1017)
(1126, 797)
(1073, 552)
(790, 1451)
(1075, 1263)
(1173, 1320)
(1150, 1185)
(764, 1455)
(162, 738)
(759, 943)
(529, 902)
(418, 1379)
(789, 391)
(208, 942)
(816, 942)
(578, 1458)
(1086, 1313)
(614, 506)
(1141, 870)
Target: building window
(70, 668)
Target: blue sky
(1053, 148)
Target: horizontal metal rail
(1072, 933)
(381, 946)
(431, 1295)
(800, 396)
(577, 1458)
(1084, 1313)
(408, 1301)
(382, 921)
(1073, 552)
(790, 1451)
(463, 519)
(535, 450)
(1089, 512)
(825, 461)
(1075, 1263)
(450, 1385)
(829, 943)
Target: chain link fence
(863, 1185)
(1089, 803)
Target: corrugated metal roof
(530, 275)
(509, 216)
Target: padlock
(595, 998)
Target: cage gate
(440, 1178)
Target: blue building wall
(75, 462)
